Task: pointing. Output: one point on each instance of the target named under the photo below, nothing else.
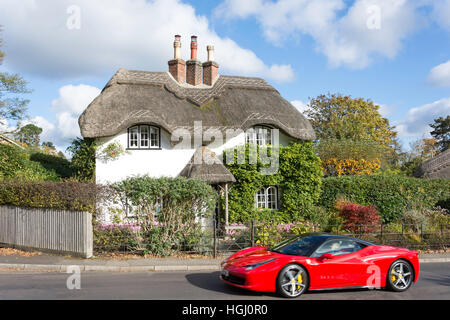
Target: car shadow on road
(212, 282)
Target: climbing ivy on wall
(298, 177)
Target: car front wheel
(400, 276)
(292, 281)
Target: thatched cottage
(166, 120)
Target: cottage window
(267, 198)
(144, 137)
(260, 135)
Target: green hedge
(17, 164)
(391, 194)
(68, 195)
(298, 178)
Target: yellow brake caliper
(393, 277)
(300, 280)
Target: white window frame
(267, 198)
(144, 137)
(260, 135)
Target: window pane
(133, 136)
(144, 136)
(261, 198)
(154, 137)
(250, 136)
(272, 198)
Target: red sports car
(320, 261)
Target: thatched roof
(205, 165)
(132, 97)
(437, 167)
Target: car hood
(252, 257)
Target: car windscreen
(299, 246)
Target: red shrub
(359, 218)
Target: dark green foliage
(390, 194)
(15, 164)
(61, 166)
(29, 134)
(83, 158)
(69, 195)
(441, 132)
(166, 210)
(298, 179)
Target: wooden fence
(48, 230)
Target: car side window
(337, 247)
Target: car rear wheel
(400, 276)
(292, 281)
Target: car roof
(335, 236)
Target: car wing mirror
(326, 256)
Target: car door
(341, 267)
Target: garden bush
(391, 195)
(16, 164)
(168, 211)
(67, 195)
(359, 218)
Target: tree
(353, 137)
(83, 153)
(334, 116)
(49, 145)
(12, 86)
(29, 134)
(441, 132)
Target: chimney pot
(210, 68)
(210, 50)
(177, 66)
(194, 48)
(193, 66)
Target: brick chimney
(194, 66)
(210, 68)
(177, 66)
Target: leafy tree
(334, 116)
(353, 137)
(49, 145)
(83, 153)
(12, 86)
(29, 134)
(441, 132)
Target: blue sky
(396, 52)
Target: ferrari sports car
(318, 262)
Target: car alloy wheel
(292, 281)
(400, 275)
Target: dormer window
(144, 137)
(260, 135)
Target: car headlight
(256, 265)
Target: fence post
(421, 232)
(215, 238)
(381, 233)
(252, 234)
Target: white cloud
(348, 35)
(134, 34)
(71, 102)
(416, 123)
(440, 75)
(300, 105)
(441, 13)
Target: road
(434, 283)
